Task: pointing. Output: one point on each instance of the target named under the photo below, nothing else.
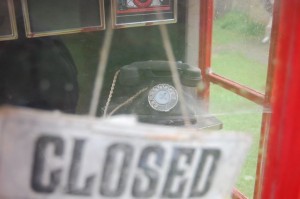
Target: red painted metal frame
(237, 88)
(236, 194)
(205, 46)
(278, 173)
(205, 43)
(246, 92)
(281, 177)
(265, 127)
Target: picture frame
(56, 17)
(133, 13)
(8, 25)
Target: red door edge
(281, 173)
(265, 126)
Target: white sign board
(53, 155)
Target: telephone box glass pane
(59, 72)
(239, 114)
(241, 38)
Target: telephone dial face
(163, 97)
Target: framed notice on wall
(44, 17)
(132, 13)
(8, 28)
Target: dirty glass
(241, 115)
(61, 72)
(241, 38)
(240, 53)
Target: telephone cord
(111, 93)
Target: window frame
(262, 99)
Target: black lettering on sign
(74, 171)
(209, 159)
(176, 174)
(41, 145)
(111, 185)
(149, 170)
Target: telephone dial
(146, 89)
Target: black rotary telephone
(146, 89)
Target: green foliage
(240, 68)
(226, 37)
(241, 23)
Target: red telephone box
(34, 33)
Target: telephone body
(159, 103)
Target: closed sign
(52, 155)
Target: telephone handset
(158, 71)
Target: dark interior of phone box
(128, 45)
